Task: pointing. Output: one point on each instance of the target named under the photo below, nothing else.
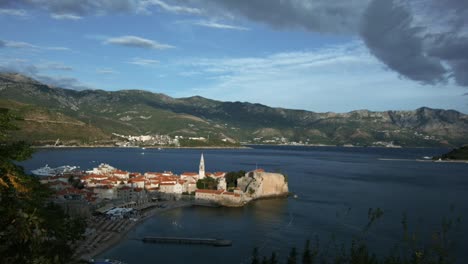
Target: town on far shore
(105, 187)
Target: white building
(102, 169)
(138, 182)
(222, 185)
(171, 188)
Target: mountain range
(94, 117)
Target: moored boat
(48, 171)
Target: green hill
(91, 116)
(455, 154)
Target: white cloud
(143, 62)
(17, 44)
(137, 42)
(26, 45)
(56, 66)
(57, 48)
(212, 24)
(170, 8)
(338, 78)
(65, 17)
(13, 12)
(105, 71)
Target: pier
(185, 240)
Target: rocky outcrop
(260, 184)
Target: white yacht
(48, 171)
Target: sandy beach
(106, 233)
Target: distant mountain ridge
(90, 116)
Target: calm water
(335, 188)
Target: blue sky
(229, 53)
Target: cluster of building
(277, 141)
(108, 183)
(147, 140)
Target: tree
(292, 258)
(31, 229)
(255, 259)
(207, 183)
(231, 178)
(273, 259)
(306, 256)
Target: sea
(335, 190)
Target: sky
(317, 55)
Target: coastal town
(113, 200)
(108, 184)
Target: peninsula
(458, 154)
(108, 184)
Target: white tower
(201, 171)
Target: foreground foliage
(411, 250)
(32, 230)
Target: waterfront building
(125, 193)
(212, 195)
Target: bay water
(335, 188)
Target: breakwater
(185, 240)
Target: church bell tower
(201, 171)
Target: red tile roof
(189, 174)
